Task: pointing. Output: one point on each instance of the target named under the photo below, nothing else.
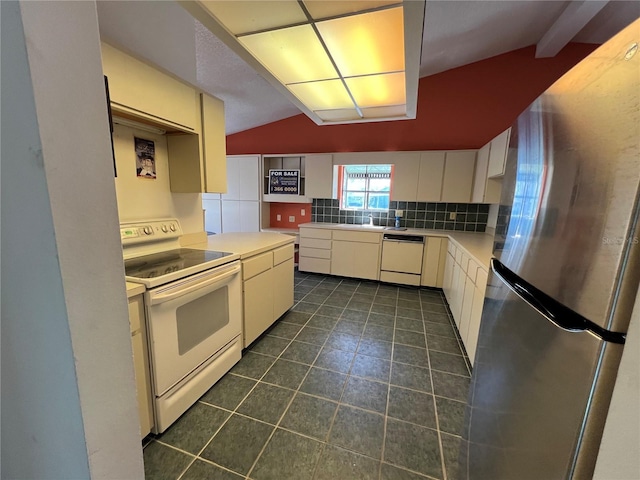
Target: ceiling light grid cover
(338, 61)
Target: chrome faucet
(370, 220)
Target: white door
(212, 206)
(230, 216)
(249, 213)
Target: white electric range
(193, 310)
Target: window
(365, 187)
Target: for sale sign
(284, 182)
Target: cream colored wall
(143, 198)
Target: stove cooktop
(170, 262)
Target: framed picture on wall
(145, 158)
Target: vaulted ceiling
(455, 33)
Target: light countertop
(477, 245)
(286, 231)
(134, 289)
(245, 244)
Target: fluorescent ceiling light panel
(324, 9)
(322, 95)
(382, 112)
(242, 17)
(339, 115)
(292, 55)
(378, 90)
(338, 61)
(365, 44)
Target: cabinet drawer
(315, 233)
(256, 265)
(317, 265)
(315, 243)
(315, 252)
(364, 237)
(282, 254)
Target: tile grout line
(235, 411)
(197, 456)
(348, 375)
(346, 382)
(435, 406)
(297, 390)
(386, 410)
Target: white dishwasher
(401, 258)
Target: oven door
(190, 320)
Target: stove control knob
(173, 227)
(165, 229)
(147, 230)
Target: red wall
(285, 210)
(461, 108)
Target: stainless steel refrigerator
(564, 278)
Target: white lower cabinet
(356, 254)
(267, 290)
(315, 250)
(355, 259)
(433, 262)
(141, 363)
(464, 287)
(448, 275)
(471, 342)
(282, 297)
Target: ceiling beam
(573, 19)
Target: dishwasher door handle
(390, 237)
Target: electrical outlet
(278, 217)
(303, 212)
(292, 219)
(452, 216)
(399, 213)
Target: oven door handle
(210, 280)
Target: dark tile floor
(360, 380)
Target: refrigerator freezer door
(531, 403)
(568, 221)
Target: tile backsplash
(469, 217)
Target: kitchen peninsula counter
(245, 244)
(134, 289)
(267, 276)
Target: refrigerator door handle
(551, 309)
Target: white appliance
(193, 310)
(401, 258)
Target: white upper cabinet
(430, 176)
(498, 154)
(243, 178)
(485, 190)
(406, 166)
(458, 176)
(214, 149)
(319, 176)
(480, 180)
(140, 90)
